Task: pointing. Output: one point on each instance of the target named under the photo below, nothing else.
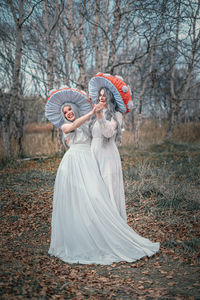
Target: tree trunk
(15, 109)
(50, 38)
(77, 37)
(174, 113)
(172, 78)
(138, 120)
(115, 33)
(6, 136)
(59, 134)
(95, 38)
(19, 123)
(105, 41)
(170, 126)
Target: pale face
(68, 113)
(102, 98)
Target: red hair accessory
(116, 85)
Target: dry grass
(151, 133)
(38, 127)
(39, 140)
(158, 176)
(40, 144)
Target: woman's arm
(108, 128)
(66, 128)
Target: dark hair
(109, 114)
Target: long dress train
(86, 228)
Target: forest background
(153, 45)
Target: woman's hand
(98, 111)
(98, 107)
(92, 111)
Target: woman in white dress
(113, 94)
(86, 228)
(106, 128)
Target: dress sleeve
(67, 137)
(109, 128)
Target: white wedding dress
(108, 160)
(86, 228)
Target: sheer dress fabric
(108, 159)
(86, 228)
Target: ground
(162, 196)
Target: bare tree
(191, 58)
(153, 45)
(75, 23)
(14, 111)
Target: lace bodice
(106, 128)
(79, 136)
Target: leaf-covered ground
(162, 194)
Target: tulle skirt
(109, 163)
(86, 228)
